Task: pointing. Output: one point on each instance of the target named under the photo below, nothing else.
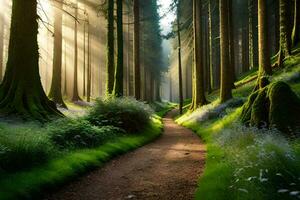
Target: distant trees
(21, 92)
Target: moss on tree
(273, 106)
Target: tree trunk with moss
(285, 34)
(75, 96)
(89, 66)
(296, 28)
(118, 86)
(263, 46)
(55, 91)
(21, 92)
(198, 79)
(226, 76)
(110, 65)
(136, 49)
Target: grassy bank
(37, 158)
(32, 183)
(242, 162)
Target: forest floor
(168, 168)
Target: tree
(21, 92)
(263, 47)
(252, 17)
(285, 35)
(231, 29)
(89, 67)
(110, 65)
(179, 58)
(136, 49)
(198, 79)
(118, 85)
(296, 28)
(75, 80)
(1, 44)
(226, 76)
(56, 91)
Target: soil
(167, 169)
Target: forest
(150, 99)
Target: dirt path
(165, 169)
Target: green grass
(33, 182)
(247, 163)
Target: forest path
(168, 168)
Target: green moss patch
(274, 106)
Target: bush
(125, 113)
(22, 148)
(78, 133)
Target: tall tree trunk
(263, 46)
(210, 38)
(296, 28)
(89, 66)
(231, 31)
(118, 86)
(226, 71)
(56, 90)
(21, 92)
(253, 40)
(199, 90)
(285, 34)
(179, 58)
(84, 58)
(136, 49)
(75, 80)
(110, 65)
(129, 93)
(277, 27)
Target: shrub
(125, 113)
(21, 148)
(78, 133)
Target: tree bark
(56, 89)
(110, 65)
(179, 59)
(89, 66)
(231, 31)
(199, 98)
(226, 71)
(75, 80)
(21, 92)
(136, 49)
(285, 34)
(263, 46)
(119, 76)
